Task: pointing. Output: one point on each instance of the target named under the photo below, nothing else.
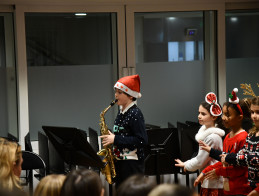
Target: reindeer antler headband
(248, 89)
(215, 108)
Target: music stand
(189, 147)
(162, 150)
(72, 145)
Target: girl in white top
(209, 118)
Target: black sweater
(130, 134)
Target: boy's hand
(107, 139)
(204, 146)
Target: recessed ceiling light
(171, 18)
(80, 14)
(233, 19)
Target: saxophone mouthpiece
(113, 102)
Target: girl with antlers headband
(235, 114)
(209, 117)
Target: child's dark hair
(133, 98)
(218, 121)
(247, 122)
(136, 185)
(254, 101)
(82, 182)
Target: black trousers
(127, 168)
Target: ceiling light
(80, 14)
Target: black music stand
(162, 150)
(72, 145)
(189, 147)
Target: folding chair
(31, 161)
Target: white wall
(72, 96)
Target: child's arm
(201, 159)
(231, 171)
(215, 154)
(211, 167)
(199, 179)
(242, 158)
(254, 193)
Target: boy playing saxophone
(129, 135)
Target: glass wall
(8, 97)
(175, 57)
(71, 69)
(169, 37)
(242, 50)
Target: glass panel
(180, 85)
(64, 95)
(68, 39)
(167, 37)
(8, 98)
(242, 49)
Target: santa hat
(233, 96)
(129, 85)
(235, 100)
(215, 108)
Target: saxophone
(109, 168)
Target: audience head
(136, 185)
(16, 192)
(82, 182)
(171, 190)
(10, 164)
(50, 185)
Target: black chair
(31, 161)
(56, 163)
(170, 125)
(28, 147)
(43, 145)
(191, 123)
(12, 137)
(188, 145)
(93, 141)
(27, 142)
(150, 126)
